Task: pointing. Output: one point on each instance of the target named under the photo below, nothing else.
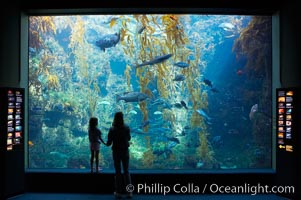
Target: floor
(69, 196)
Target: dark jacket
(120, 137)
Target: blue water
(201, 122)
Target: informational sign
(15, 112)
(12, 117)
(286, 107)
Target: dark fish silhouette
(141, 29)
(156, 60)
(204, 114)
(179, 77)
(208, 82)
(183, 103)
(132, 97)
(181, 64)
(178, 105)
(174, 139)
(108, 41)
(214, 90)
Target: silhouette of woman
(119, 135)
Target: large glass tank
(195, 90)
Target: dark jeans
(121, 157)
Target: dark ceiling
(150, 6)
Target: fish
(233, 131)
(171, 144)
(156, 60)
(179, 77)
(104, 103)
(173, 17)
(174, 139)
(110, 19)
(203, 114)
(253, 110)
(181, 64)
(228, 29)
(30, 143)
(208, 82)
(183, 103)
(155, 131)
(108, 41)
(133, 112)
(58, 107)
(226, 26)
(132, 97)
(158, 113)
(214, 90)
(141, 29)
(32, 51)
(113, 22)
(178, 105)
(239, 72)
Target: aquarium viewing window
(195, 89)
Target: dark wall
(9, 46)
(290, 45)
(104, 183)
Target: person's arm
(102, 141)
(100, 138)
(110, 137)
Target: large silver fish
(108, 41)
(253, 110)
(132, 97)
(226, 26)
(204, 114)
(156, 60)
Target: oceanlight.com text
(250, 189)
(191, 188)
